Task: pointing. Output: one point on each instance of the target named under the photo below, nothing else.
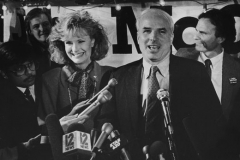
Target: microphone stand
(168, 125)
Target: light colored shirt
(163, 77)
(216, 67)
(31, 89)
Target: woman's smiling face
(79, 48)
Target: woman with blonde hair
(85, 42)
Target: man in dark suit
(19, 129)
(196, 114)
(215, 31)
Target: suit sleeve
(48, 98)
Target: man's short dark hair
(15, 52)
(35, 12)
(224, 22)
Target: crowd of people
(57, 72)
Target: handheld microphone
(111, 83)
(106, 130)
(118, 142)
(102, 98)
(163, 96)
(94, 135)
(55, 133)
(76, 141)
(146, 152)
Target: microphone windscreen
(157, 148)
(146, 149)
(55, 133)
(76, 127)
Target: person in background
(57, 51)
(85, 42)
(55, 21)
(19, 90)
(215, 31)
(38, 26)
(137, 114)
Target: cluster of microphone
(76, 142)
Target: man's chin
(30, 83)
(42, 39)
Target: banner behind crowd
(120, 25)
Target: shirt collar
(70, 71)
(163, 66)
(23, 89)
(214, 60)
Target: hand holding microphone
(32, 142)
(78, 106)
(66, 121)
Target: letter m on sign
(125, 17)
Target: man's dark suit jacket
(230, 77)
(18, 117)
(196, 112)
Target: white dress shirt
(216, 67)
(31, 89)
(163, 78)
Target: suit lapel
(133, 85)
(67, 72)
(96, 75)
(172, 77)
(21, 99)
(227, 87)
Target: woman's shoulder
(102, 68)
(53, 74)
(107, 68)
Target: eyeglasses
(20, 70)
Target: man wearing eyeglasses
(19, 128)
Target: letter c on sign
(179, 28)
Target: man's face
(25, 80)
(40, 27)
(154, 38)
(205, 38)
